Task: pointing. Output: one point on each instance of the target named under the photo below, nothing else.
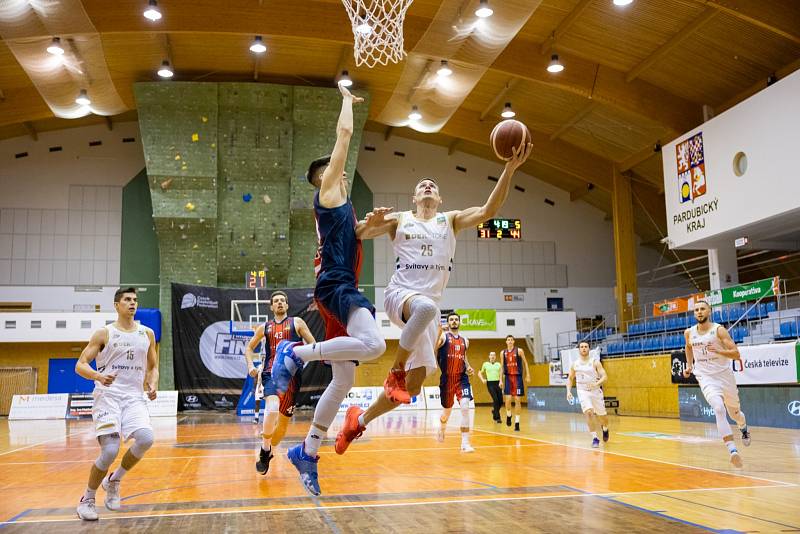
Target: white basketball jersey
(125, 355)
(585, 373)
(424, 252)
(704, 348)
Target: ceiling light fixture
(484, 10)
(415, 115)
(258, 46)
(508, 112)
(152, 12)
(345, 80)
(55, 47)
(622, 2)
(555, 65)
(83, 98)
(166, 70)
(444, 69)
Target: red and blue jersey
(274, 333)
(338, 248)
(452, 360)
(512, 362)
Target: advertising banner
(51, 406)
(667, 307)
(767, 287)
(776, 363)
(165, 405)
(478, 319)
(362, 397)
(80, 405)
(764, 405)
(552, 400)
(209, 362)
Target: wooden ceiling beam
(638, 157)
(451, 148)
(780, 18)
(109, 123)
(499, 97)
(31, 130)
(577, 194)
(575, 119)
(667, 47)
(758, 86)
(605, 85)
(387, 133)
(564, 26)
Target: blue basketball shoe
(306, 466)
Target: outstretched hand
(347, 94)
(520, 154)
(377, 216)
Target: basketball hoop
(377, 30)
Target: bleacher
(660, 334)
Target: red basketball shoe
(351, 430)
(395, 387)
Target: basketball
(506, 136)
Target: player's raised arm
(96, 343)
(478, 214)
(378, 222)
(332, 192)
(249, 351)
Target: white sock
(465, 438)
(89, 493)
(313, 440)
(118, 473)
(731, 445)
(605, 429)
(266, 445)
(594, 435)
(361, 420)
(516, 419)
(508, 413)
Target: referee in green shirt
(490, 375)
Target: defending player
(127, 365)
(709, 351)
(424, 243)
(589, 376)
(351, 331)
(514, 388)
(278, 408)
(454, 382)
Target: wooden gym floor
(655, 475)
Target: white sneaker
(86, 510)
(440, 434)
(112, 493)
(466, 447)
(736, 460)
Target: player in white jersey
(589, 375)
(424, 243)
(127, 365)
(709, 352)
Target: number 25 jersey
(424, 251)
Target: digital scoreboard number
(255, 279)
(500, 229)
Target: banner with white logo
(776, 363)
(165, 405)
(362, 397)
(209, 361)
(51, 406)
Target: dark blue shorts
(336, 294)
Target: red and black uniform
(512, 370)
(452, 360)
(274, 333)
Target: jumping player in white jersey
(589, 375)
(424, 243)
(127, 365)
(709, 352)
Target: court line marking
(389, 505)
(65, 436)
(356, 451)
(731, 512)
(639, 458)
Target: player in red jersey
(451, 355)
(513, 364)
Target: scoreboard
(255, 279)
(500, 229)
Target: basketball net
(377, 30)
